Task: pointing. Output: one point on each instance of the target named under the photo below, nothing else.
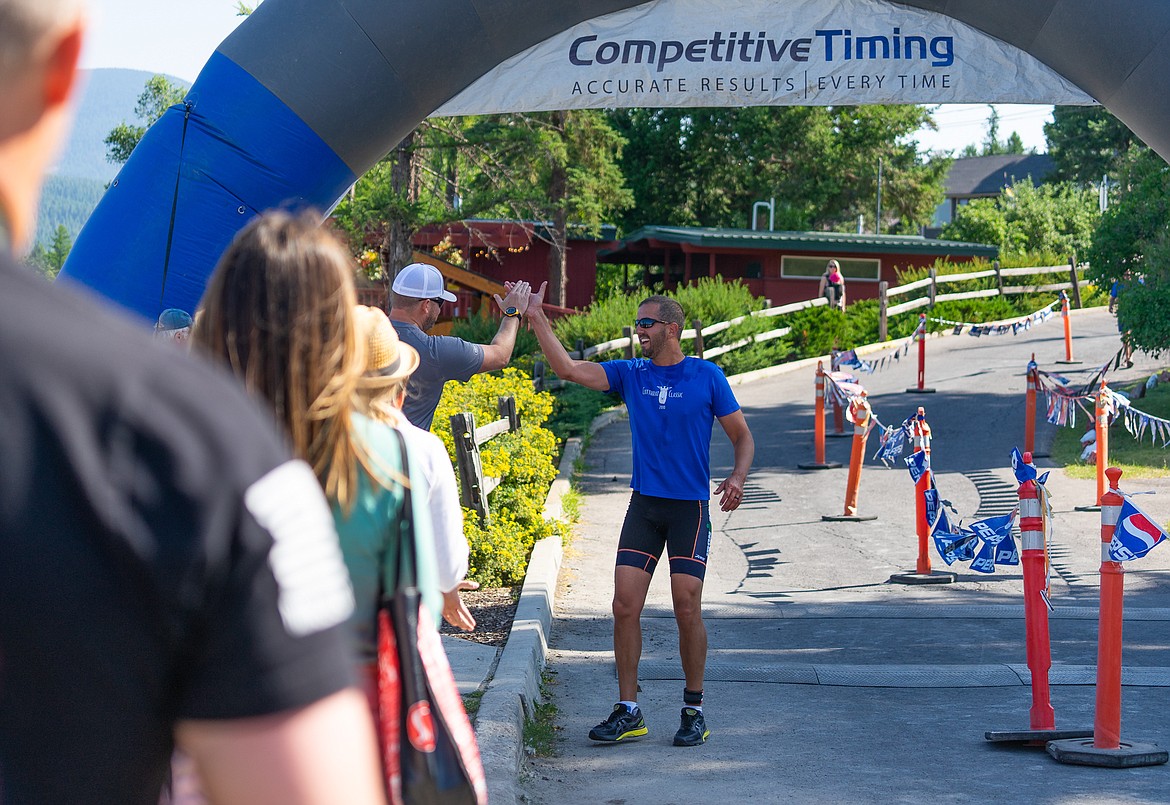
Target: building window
(854, 268)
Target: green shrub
(814, 331)
(482, 328)
(524, 459)
(574, 408)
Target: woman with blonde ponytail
(279, 311)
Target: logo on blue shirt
(663, 393)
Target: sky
(176, 37)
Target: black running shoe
(693, 730)
(621, 724)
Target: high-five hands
(516, 295)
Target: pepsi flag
(952, 547)
(984, 562)
(917, 464)
(892, 442)
(942, 524)
(1135, 535)
(930, 501)
(998, 545)
(1025, 472)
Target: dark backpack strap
(401, 533)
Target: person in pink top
(832, 285)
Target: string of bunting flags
(850, 358)
(841, 388)
(1062, 400)
(1135, 534)
(977, 329)
(1138, 423)
(984, 543)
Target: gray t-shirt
(441, 358)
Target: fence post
(933, 285)
(1106, 748)
(471, 493)
(628, 352)
(507, 408)
(538, 375)
(883, 303)
(698, 325)
(580, 352)
(1076, 286)
(998, 277)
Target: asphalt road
(825, 681)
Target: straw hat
(387, 358)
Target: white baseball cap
(421, 281)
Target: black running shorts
(683, 527)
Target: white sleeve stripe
(306, 561)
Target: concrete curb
(514, 688)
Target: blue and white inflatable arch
(306, 95)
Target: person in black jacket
(169, 575)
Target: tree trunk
(558, 193)
(396, 248)
(558, 274)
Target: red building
(518, 250)
(782, 266)
(779, 266)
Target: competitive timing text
(835, 44)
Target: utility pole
(877, 223)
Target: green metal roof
(717, 238)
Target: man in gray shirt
(417, 297)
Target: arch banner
(672, 53)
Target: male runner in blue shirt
(672, 402)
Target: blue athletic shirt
(671, 411)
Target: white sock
(632, 705)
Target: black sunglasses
(647, 323)
(438, 300)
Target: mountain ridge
(80, 175)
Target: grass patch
(471, 702)
(1135, 459)
(571, 505)
(541, 731)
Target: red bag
(429, 752)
